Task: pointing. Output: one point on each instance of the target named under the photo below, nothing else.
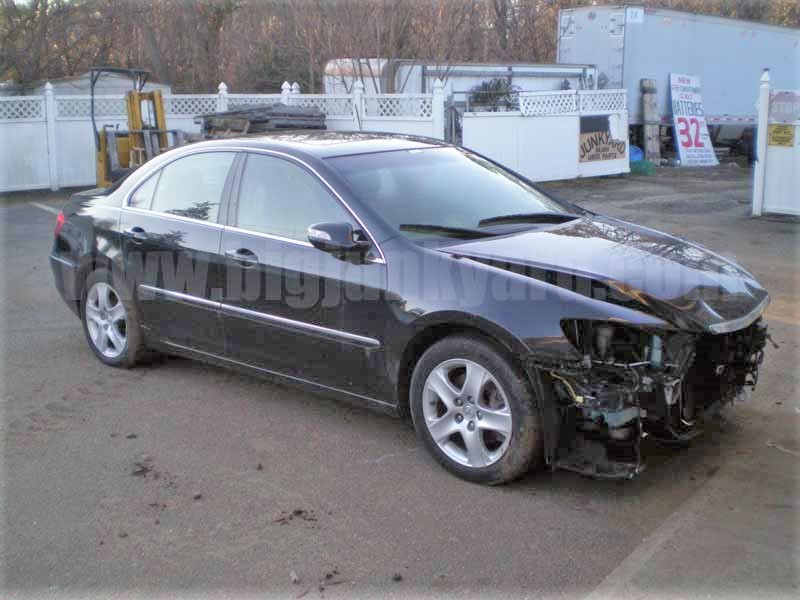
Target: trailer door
(594, 36)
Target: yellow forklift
(118, 151)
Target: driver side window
(281, 198)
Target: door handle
(246, 258)
(137, 233)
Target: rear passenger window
(281, 198)
(143, 196)
(192, 186)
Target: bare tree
(255, 45)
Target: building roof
(85, 75)
(80, 84)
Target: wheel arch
(438, 327)
(89, 264)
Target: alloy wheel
(467, 413)
(106, 320)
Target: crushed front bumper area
(631, 385)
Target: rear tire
(111, 320)
(475, 411)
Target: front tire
(110, 320)
(474, 411)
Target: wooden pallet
(261, 118)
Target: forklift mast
(119, 152)
(142, 145)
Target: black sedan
(420, 278)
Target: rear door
(171, 235)
(290, 307)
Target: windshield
(445, 192)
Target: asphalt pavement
(180, 478)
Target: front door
(171, 237)
(290, 307)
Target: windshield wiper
(542, 217)
(460, 231)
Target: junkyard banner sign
(598, 140)
(689, 122)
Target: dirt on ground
(180, 478)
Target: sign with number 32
(690, 133)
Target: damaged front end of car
(630, 383)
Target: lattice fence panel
(16, 108)
(332, 106)
(397, 105)
(71, 107)
(602, 101)
(237, 101)
(190, 104)
(534, 104)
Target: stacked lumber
(260, 119)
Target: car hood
(608, 259)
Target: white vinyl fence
(47, 141)
(776, 177)
(24, 143)
(555, 135)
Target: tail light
(59, 223)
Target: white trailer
(631, 43)
(382, 76)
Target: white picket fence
(47, 141)
(542, 140)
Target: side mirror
(337, 238)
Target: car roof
(327, 144)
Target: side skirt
(186, 351)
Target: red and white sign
(689, 122)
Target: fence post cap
(286, 86)
(765, 76)
(358, 85)
(48, 87)
(223, 89)
(295, 88)
(438, 84)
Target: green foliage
(494, 94)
